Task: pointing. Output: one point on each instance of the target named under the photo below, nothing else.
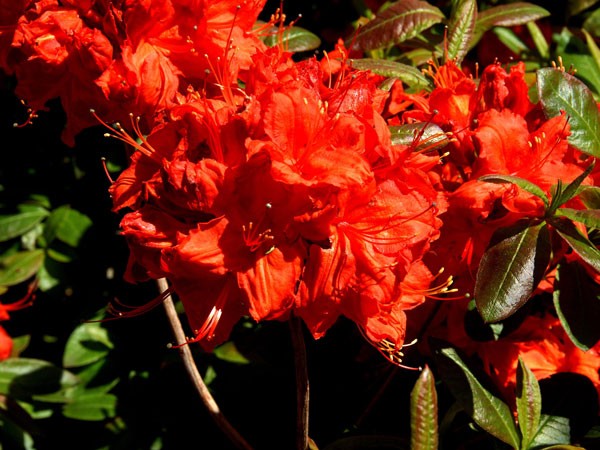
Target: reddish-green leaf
(17, 224)
(511, 269)
(18, 267)
(529, 403)
(422, 136)
(401, 21)
(521, 182)
(578, 242)
(423, 413)
(408, 74)
(562, 195)
(461, 28)
(559, 91)
(294, 39)
(590, 196)
(518, 13)
(589, 217)
(487, 410)
(577, 302)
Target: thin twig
(190, 365)
(302, 386)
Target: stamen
(119, 133)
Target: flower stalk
(302, 383)
(196, 377)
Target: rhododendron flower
(540, 340)
(289, 200)
(125, 57)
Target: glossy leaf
(24, 378)
(559, 91)
(461, 28)
(88, 343)
(421, 136)
(589, 217)
(577, 301)
(401, 21)
(529, 403)
(518, 13)
(487, 410)
(521, 182)
(294, 39)
(408, 74)
(423, 413)
(511, 269)
(91, 405)
(552, 430)
(66, 224)
(16, 225)
(578, 242)
(20, 266)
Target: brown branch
(302, 386)
(190, 365)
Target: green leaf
(16, 225)
(423, 413)
(559, 91)
(20, 344)
(401, 21)
(593, 48)
(91, 406)
(578, 242)
(589, 217)
(67, 225)
(461, 28)
(412, 76)
(24, 378)
(88, 343)
(592, 23)
(511, 269)
(20, 266)
(539, 40)
(422, 136)
(577, 302)
(552, 430)
(230, 353)
(294, 39)
(521, 182)
(488, 411)
(577, 6)
(529, 403)
(587, 70)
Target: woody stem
(192, 370)
(302, 386)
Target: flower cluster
(266, 187)
(497, 130)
